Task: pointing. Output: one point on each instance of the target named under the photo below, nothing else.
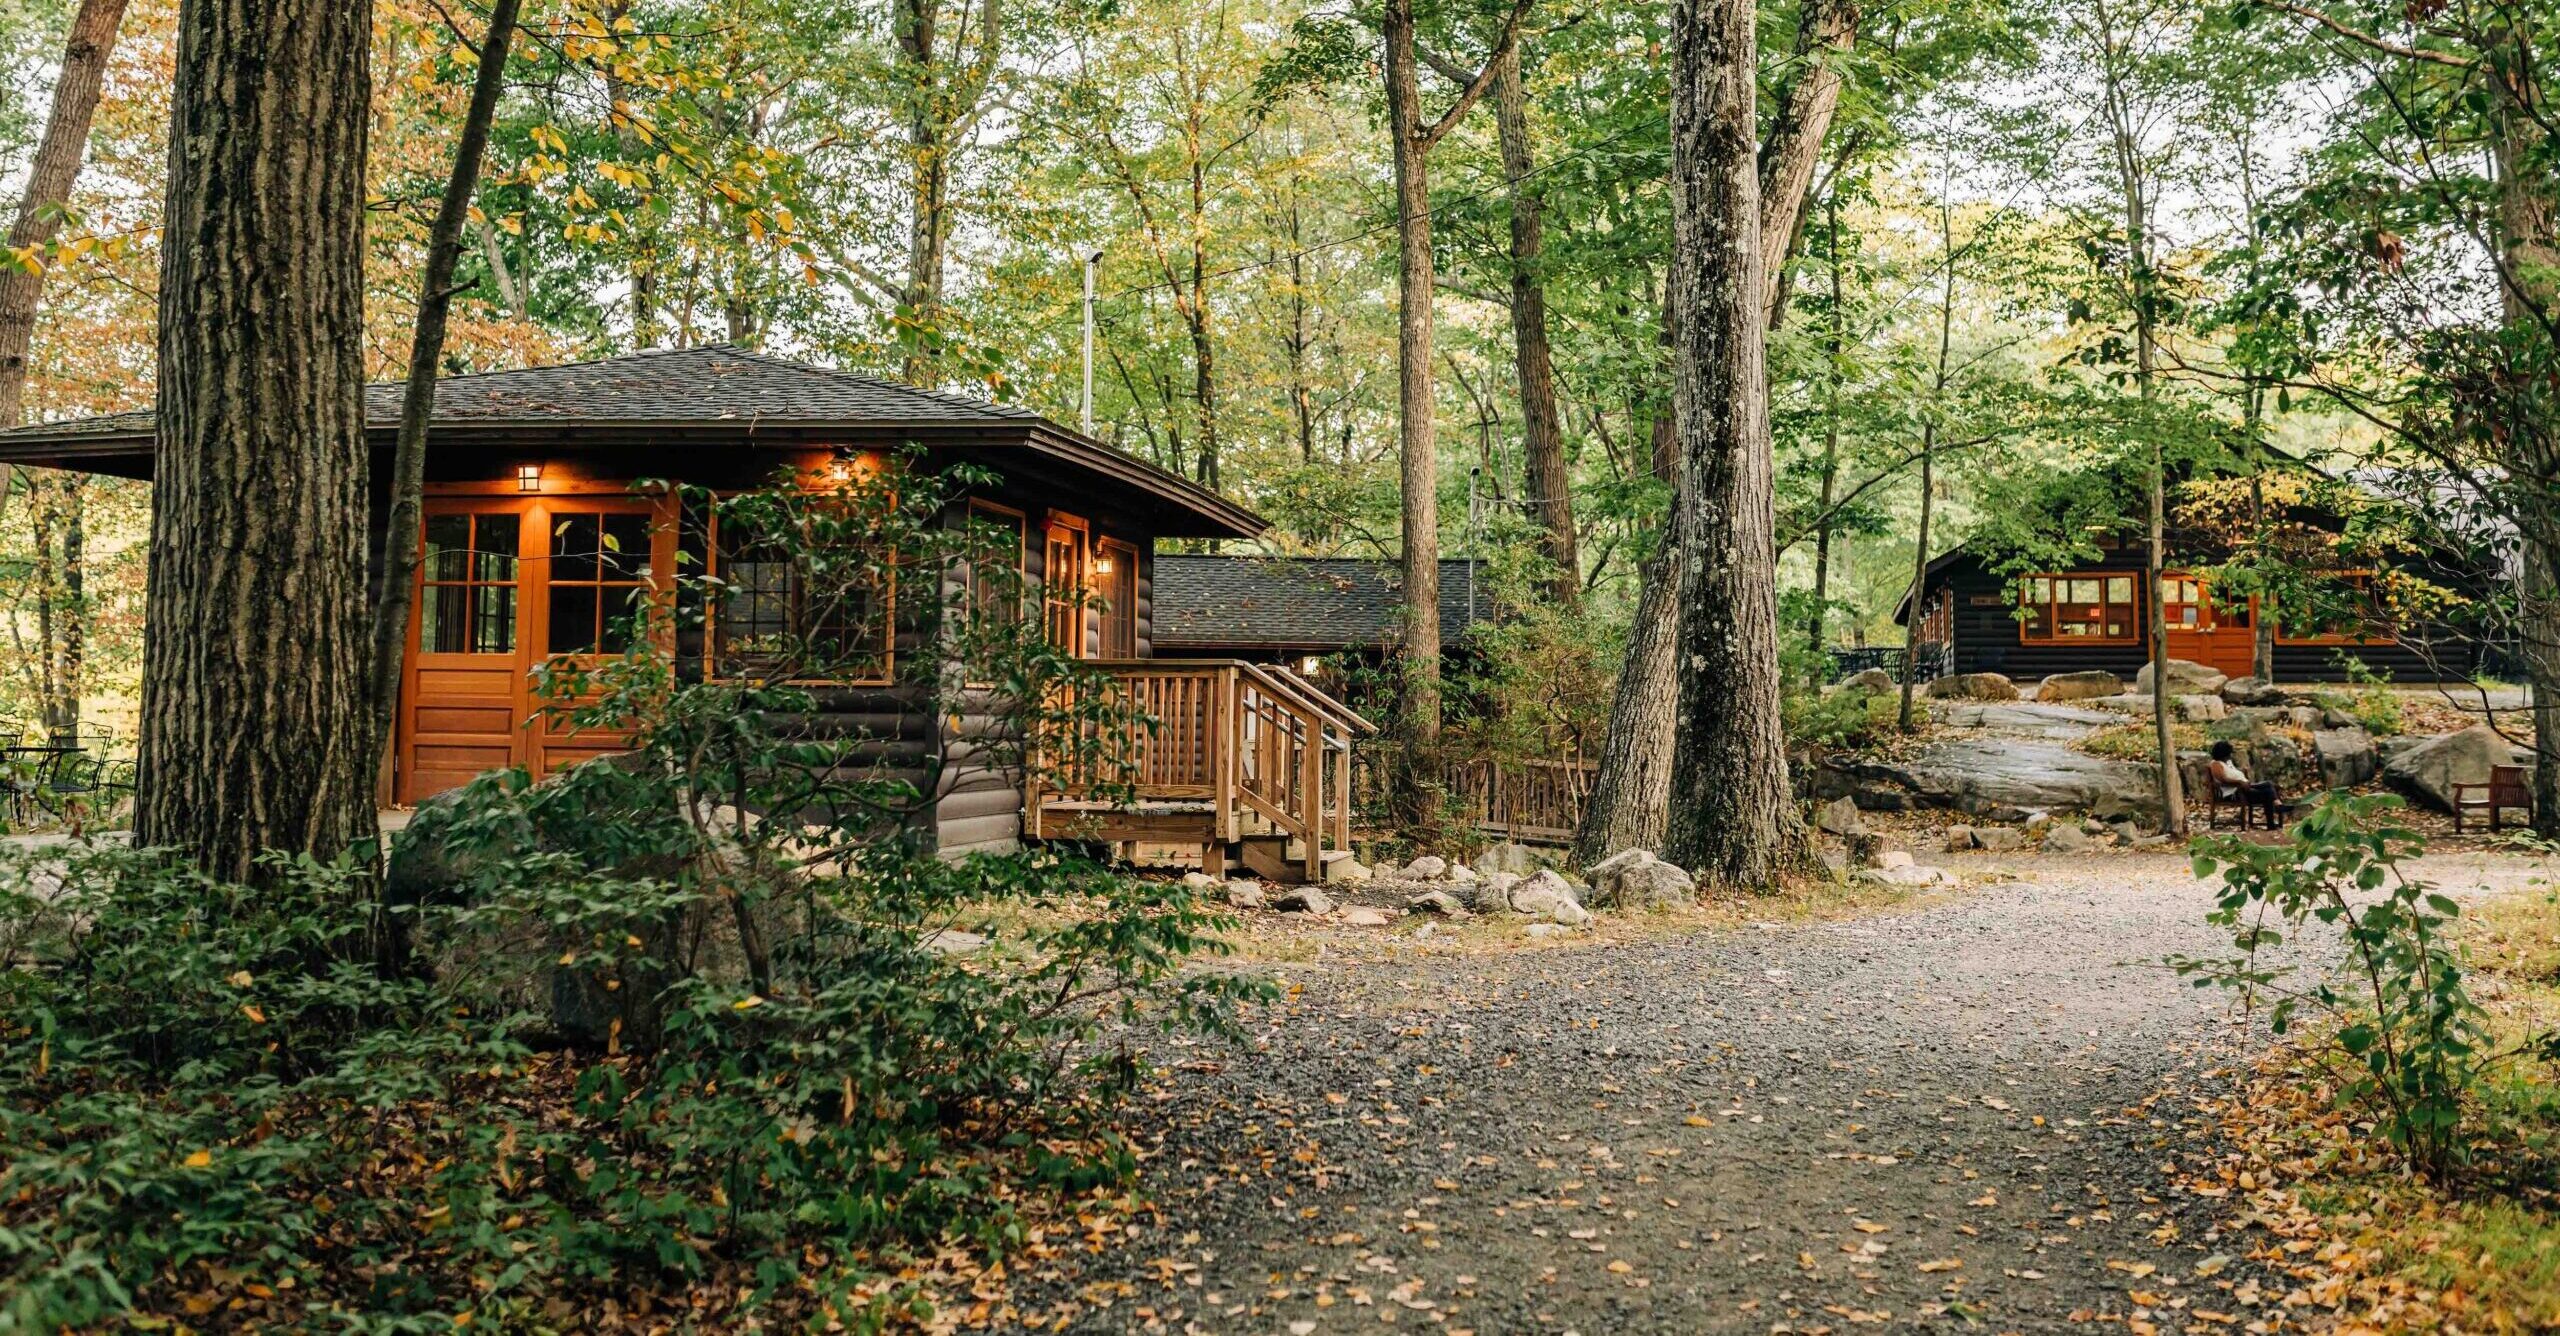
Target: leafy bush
(1839, 720)
(2413, 1042)
(688, 1018)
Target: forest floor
(1955, 1113)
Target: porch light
(1102, 565)
(1309, 666)
(528, 477)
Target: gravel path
(1924, 1120)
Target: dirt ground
(1939, 1116)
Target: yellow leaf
(1694, 1120)
(200, 1160)
(2137, 1270)
(750, 1002)
(1620, 1267)
(254, 1014)
(1944, 1264)
(241, 979)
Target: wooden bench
(2219, 797)
(2506, 788)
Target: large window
(774, 617)
(599, 562)
(468, 602)
(1063, 584)
(999, 591)
(2095, 608)
(2357, 612)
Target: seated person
(2233, 782)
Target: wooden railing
(1537, 802)
(1266, 753)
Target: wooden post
(1342, 795)
(1311, 780)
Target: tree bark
(1548, 483)
(940, 95)
(2528, 230)
(1928, 459)
(49, 181)
(1735, 825)
(1418, 699)
(395, 567)
(254, 732)
(1833, 340)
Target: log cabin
(538, 524)
(2032, 624)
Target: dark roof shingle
(714, 384)
(1310, 603)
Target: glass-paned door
(600, 565)
(1063, 580)
(462, 687)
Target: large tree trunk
(1418, 700)
(1832, 377)
(253, 692)
(40, 207)
(1549, 484)
(2529, 271)
(941, 93)
(1647, 704)
(1734, 823)
(395, 568)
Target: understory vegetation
(612, 1039)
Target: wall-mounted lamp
(1102, 565)
(1310, 666)
(528, 477)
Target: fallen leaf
(1943, 1264)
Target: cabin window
(2080, 609)
(1064, 582)
(2359, 615)
(2182, 603)
(773, 618)
(1115, 574)
(986, 590)
(468, 602)
(599, 561)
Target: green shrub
(679, 1021)
(2413, 1042)
(1841, 720)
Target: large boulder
(1492, 894)
(2430, 769)
(2094, 682)
(1636, 879)
(1517, 859)
(2028, 718)
(1839, 817)
(2253, 691)
(2347, 756)
(1303, 900)
(2186, 678)
(1871, 682)
(1973, 686)
(1549, 896)
(2001, 778)
(1428, 867)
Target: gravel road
(1924, 1120)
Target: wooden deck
(1240, 760)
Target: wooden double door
(506, 585)
(2218, 633)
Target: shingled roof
(718, 383)
(1318, 604)
(715, 397)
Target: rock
(1244, 895)
(1865, 848)
(1978, 776)
(2430, 769)
(2063, 838)
(1437, 902)
(2347, 756)
(2034, 825)
(2333, 717)
(1959, 839)
(1549, 896)
(1303, 900)
(1893, 858)
(1345, 871)
(1361, 916)
(1493, 894)
(2186, 678)
(1907, 875)
(2252, 691)
(1973, 686)
(1998, 839)
(2200, 709)
(1871, 682)
(1461, 875)
(1840, 817)
(1546, 930)
(2126, 832)
(1200, 881)
(2030, 718)
(954, 942)
(1636, 879)
(1833, 861)
(2079, 686)
(1425, 868)
(1517, 859)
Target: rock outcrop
(1995, 777)
(2186, 678)
(1973, 686)
(2429, 769)
(2061, 687)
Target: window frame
(1125, 555)
(1051, 604)
(2051, 633)
(2363, 578)
(712, 670)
